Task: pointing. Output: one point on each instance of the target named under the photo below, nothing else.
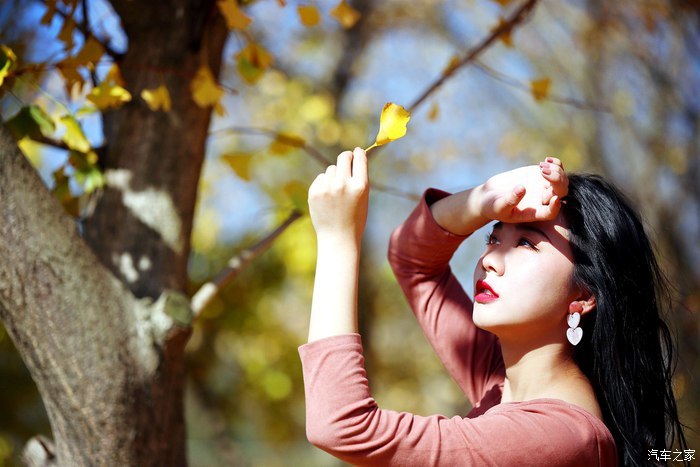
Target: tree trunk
(141, 227)
(107, 357)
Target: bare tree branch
(208, 291)
(506, 26)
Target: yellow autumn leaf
(88, 56)
(392, 124)
(309, 15)
(346, 15)
(7, 62)
(158, 98)
(240, 163)
(90, 53)
(110, 93)
(451, 66)
(74, 137)
(505, 35)
(540, 88)
(206, 91)
(235, 18)
(252, 61)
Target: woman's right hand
(527, 194)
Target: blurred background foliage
(609, 87)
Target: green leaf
(31, 122)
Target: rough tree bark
(102, 322)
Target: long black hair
(627, 351)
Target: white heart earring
(574, 333)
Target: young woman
(563, 352)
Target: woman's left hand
(338, 198)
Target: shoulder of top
(553, 407)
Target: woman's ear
(587, 305)
(583, 304)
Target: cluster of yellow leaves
(253, 60)
(111, 92)
(346, 15)
(88, 56)
(392, 124)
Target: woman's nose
(492, 261)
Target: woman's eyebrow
(525, 226)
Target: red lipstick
(483, 293)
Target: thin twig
(86, 27)
(208, 291)
(117, 56)
(310, 150)
(498, 76)
(517, 17)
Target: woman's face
(528, 268)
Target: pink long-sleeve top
(343, 419)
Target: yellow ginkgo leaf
(240, 163)
(451, 66)
(74, 137)
(7, 62)
(309, 15)
(205, 90)
(90, 53)
(157, 99)
(235, 18)
(505, 35)
(110, 93)
(540, 88)
(392, 124)
(346, 15)
(252, 61)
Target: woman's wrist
(461, 213)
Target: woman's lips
(483, 293)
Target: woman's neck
(546, 371)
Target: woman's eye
(527, 243)
(491, 239)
